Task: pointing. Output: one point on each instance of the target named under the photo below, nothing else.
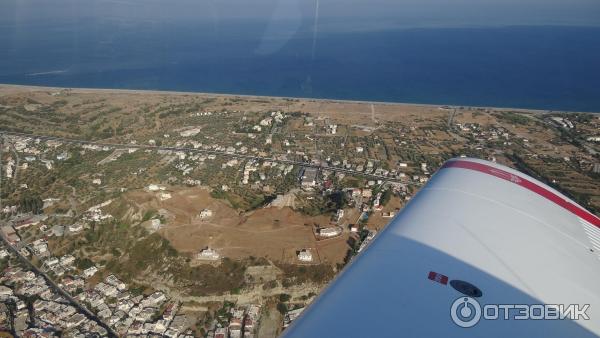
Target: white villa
(305, 255)
(208, 254)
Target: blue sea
(541, 67)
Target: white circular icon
(465, 312)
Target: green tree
(282, 308)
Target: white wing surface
(475, 227)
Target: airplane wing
(476, 231)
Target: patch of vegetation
(246, 202)
(579, 198)
(149, 214)
(513, 118)
(318, 274)
(83, 263)
(271, 285)
(321, 205)
(284, 297)
(208, 279)
(385, 197)
(30, 202)
(282, 308)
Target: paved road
(60, 291)
(205, 151)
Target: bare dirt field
(271, 232)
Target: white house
(76, 227)
(309, 177)
(190, 132)
(62, 156)
(5, 292)
(155, 224)
(206, 213)
(67, 260)
(305, 255)
(52, 261)
(266, 122)
(155, 187)
(89, 272)
(339, 214)
(594, 138)
(163, 196)
(208, 254)
(330, 232)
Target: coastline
(246, 96)
(8, 86)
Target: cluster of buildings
(242, 322)
(256, 170)
(109, 301)
(291, 315)
(367, 240)
(10, 234)
(129, 314)
(562, 122)
(308, 177)
(124, 312)
(249, 168)
(22, 221)
(59, 266)
(31, 307)
(35, 150)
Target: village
(225, 222)
(30, 306)
(109, 300)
